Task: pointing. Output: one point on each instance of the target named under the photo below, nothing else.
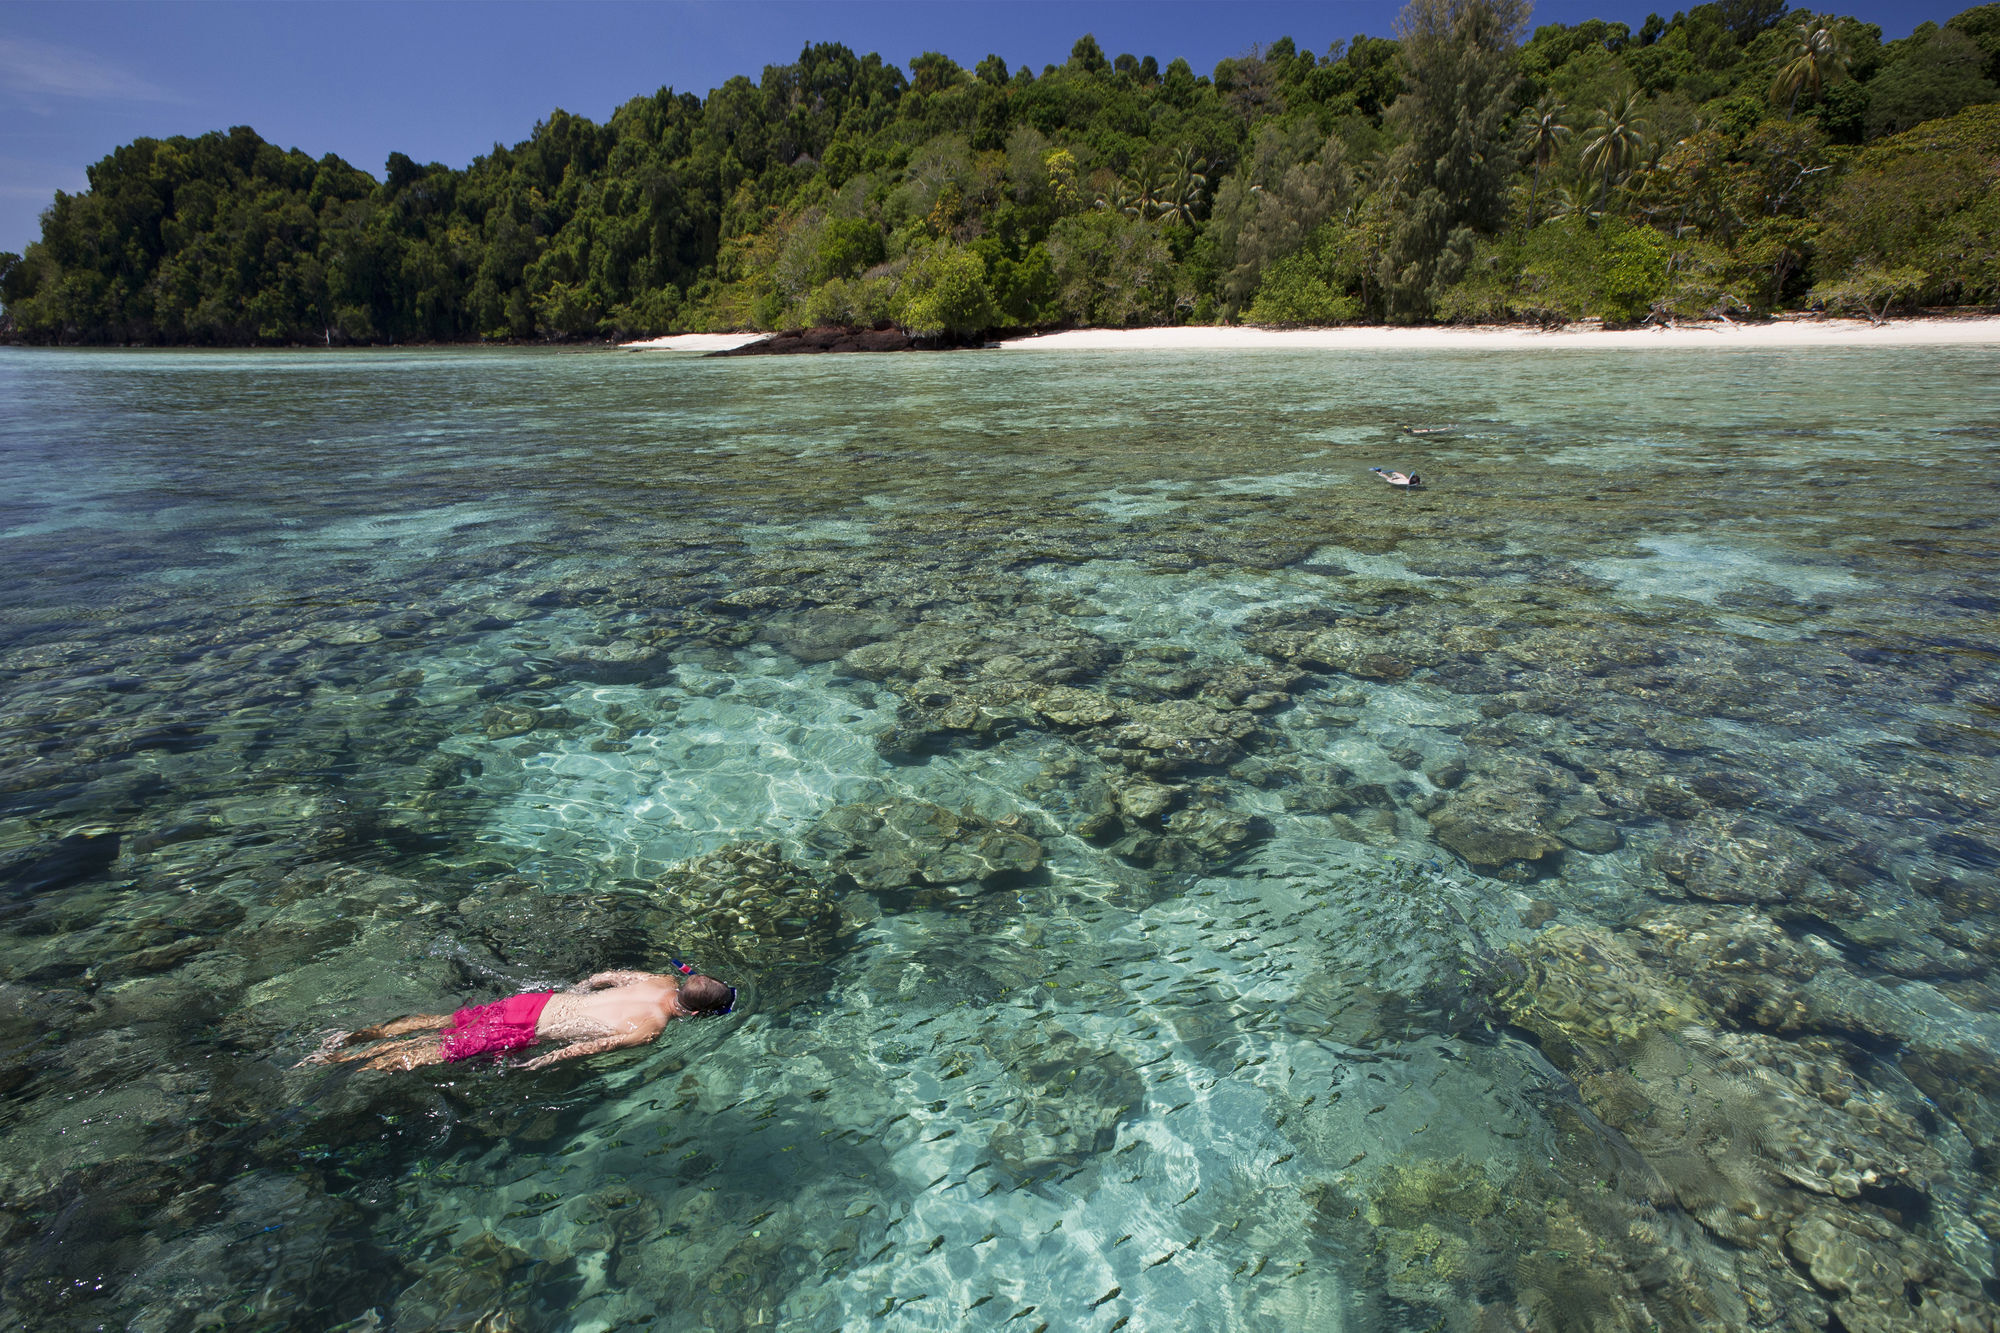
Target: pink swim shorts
(504, 1025)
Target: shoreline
(1982, 330)
(1919, 331)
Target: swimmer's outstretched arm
(595, 1046)
(599, 980)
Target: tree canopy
(1736, 156)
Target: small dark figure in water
(1399, 478)
(605, 1012)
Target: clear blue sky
(443, 81)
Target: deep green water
(1176, 882)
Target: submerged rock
(1579, 988)
(1171, 737)
(473, 1289)
(1750, 862)
(1076, 1096)
(1492, 823)
(1351, 651)
(1739, 963)
(513, 928)
(619, 662)
(823, 633)
(752, 904)
(903, 844)
(1759, 1138)
(505, 720)
(1051, 652)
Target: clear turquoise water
(1565, 898)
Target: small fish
(941, 1137)
(1352, 1160)
(933, 1184)
(1110, 1295)
(1189, 1195)
(879, 1253)
(1182, 1106)
(1021, 1314)
(935, 1242)
(1123, 1320)
(1261, 1261)
(1280, 1161)
(981, 1301)
(1121, 1240)
(760, 1217)
(1162, 1259)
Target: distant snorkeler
(605, 1012)
(1410, 479)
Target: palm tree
(1123, 197)
(1185, 194)
(1815, 58)
(1617, 134)
(1545, 134)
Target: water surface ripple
(1176, 881)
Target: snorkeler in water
(605, 1012)
(1399, 478)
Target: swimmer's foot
(332, 1040)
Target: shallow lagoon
(1177, 881)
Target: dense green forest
(1733, 158)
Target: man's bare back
(605, 1012)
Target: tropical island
(1735, 159)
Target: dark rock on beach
(793, 342)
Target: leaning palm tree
(1617, 135)
(1815, 58)
(1545, 134)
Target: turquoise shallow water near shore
(1175, 880)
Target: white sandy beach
(1940, 332)
(1982, 331)
(694, 342)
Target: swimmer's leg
(410, 1053)
(395, 1027)
(402, 1027)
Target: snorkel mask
(687, 970)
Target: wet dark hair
(1416, 480)
(706, 995)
